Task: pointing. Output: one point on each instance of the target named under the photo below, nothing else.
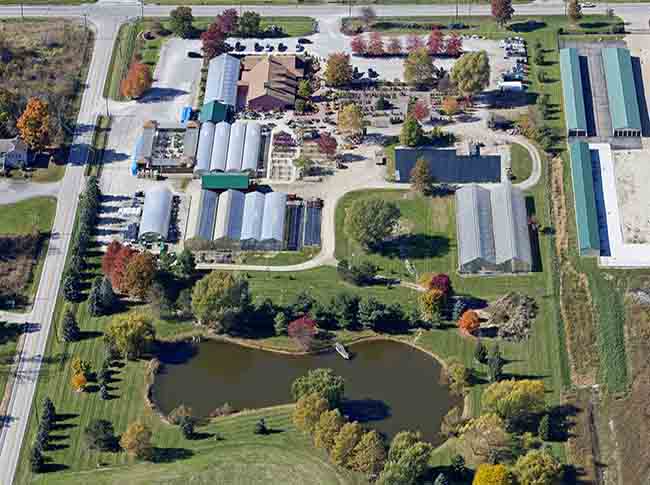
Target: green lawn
(520, 163)
(279, 259)
(22, 217)
(130, 42)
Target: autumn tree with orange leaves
(469, 321)
(34, 124)
(137, 81)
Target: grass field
(281, 258)
(520, 163)
(22, 217)
(130, 42)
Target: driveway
(14, 191)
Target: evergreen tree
(260, 427)
(49, 411)
(544, 429)
(480, 353)
(411, 134)
(103, 392)
(95, 302)
(108, 298)
(495, 365)
(187, 427)
(281, 324)
(458, 310)
(70, 327)
(36, 460)
(458, 468)
(42, 437)
(71, 286)
(441, 479)
(421, 179)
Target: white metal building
(220, 147)
(221, 83)
(230, 213)
(204, 151)
(236, 146)
(156, 214)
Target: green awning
(225, 181)
(214, 112)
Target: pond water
(389, 386)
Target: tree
(369, 455)
(408, 459)
(249, 24)
(179, 414)
(430, 304)
(372, 313)
(502, 11)
(435, 42)
(79, 382)
(471, 73)
(327, 428)
(138, 79)
(450, 105)
(459, 376)
(71, 286)
(367, 15)
(441, 479)
(538, 467)
(281, 324)
(139, 275)
(371, 220)
(458, 310)
(136, 440)
(36, 461)
(345, 307)
(401, 442)
(99, 435)
(350, 119)
(439, 281)
(49, 411)
(469, 322)
(213, 41)
(228, 21)
(420, 110)
(358, 45)
(260, 427)
(187, 427)
(454, 45)
(574, 11)
(513, 399)
(34, 125)
(491, 475)
(327, 144)
(480, 353)
(342, 451)
(80, 366)
(338, 70)
(130, 333)
(421, 178)
(110, 256)
(543, 105)
(418, 67)
(411, 134)
(413, 43)
(458, 468)
(220, 299)
(303, 330)
(185, 264)
(70, 327)
(544, 428)
(321, 381)
(120, 264)
(181, 22)
(495, 365)
(376, 44)
(483, 436)
(538, 57)
(394, 47)
(308, 411)
(304, 88)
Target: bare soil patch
(18, 256)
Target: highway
(105, 18)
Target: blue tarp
(134, 162)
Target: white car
(588, 5)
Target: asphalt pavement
(106, 17)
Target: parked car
(282, 47)
(302, 40)
(258, 47)
(588, 5)
(194, 55)
(300, 48)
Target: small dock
(340, 349)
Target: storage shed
(573, 92)
(156, 214)
(621, 92)
(492, 230)
(585, 199)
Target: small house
(14, 153)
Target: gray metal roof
(230, 213)
(251, 146)
(204, 152)
(190, 142)
(621, 89)
(253, 216)
(446, 165)
(275, 206)
(474, 225)
(156, 212)
(221, 84)
(207, 214)
(220, 147)
(236, 146)
(510, 221)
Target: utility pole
(349, 8)
(456, 11)
(22, 11)
(142, 10)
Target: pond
(389, 386)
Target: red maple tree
(358, 45)
(108, 260)
(435, 41)
(137, 81)
(454, 45)
(420, 110)
(413, 43)
(228, 21)
(213, 41)
(376, 44)
(327, 144)
(120, 263)
(303, 330)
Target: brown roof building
(270, 82)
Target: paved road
(106, 17)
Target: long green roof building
(585, 199)
(621, 92)
(573, 92)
